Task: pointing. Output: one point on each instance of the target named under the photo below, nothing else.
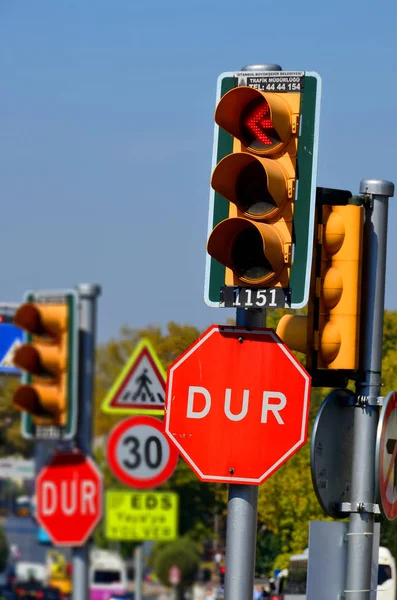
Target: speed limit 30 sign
(140, 454)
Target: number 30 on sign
(139, 453)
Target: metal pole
(138, 572)
(88, 295)
(361, 525)
(242, 511)
(242, 505)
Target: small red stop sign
(69, 498)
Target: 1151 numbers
(235, 297)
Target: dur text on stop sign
(69, 496)
(273, 402)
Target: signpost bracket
(362, 401)
(358, 507)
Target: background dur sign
(70, 487)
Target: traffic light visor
(26, 398)
(257, 186)
(262, 122)
(253, 251)
(39, 359)
(38, 319)
(41, 400)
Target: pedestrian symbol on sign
(140, 388)
(144, 390)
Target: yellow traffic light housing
(329, 335)
(258, 179)
(45, 359)
(48, 395)
(339, 322)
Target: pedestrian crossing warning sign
(140, 387)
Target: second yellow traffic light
(330, 333)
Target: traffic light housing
(259, 237)
(258, 179)
(48, 394)
(330, 333)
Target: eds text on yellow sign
(141, 515)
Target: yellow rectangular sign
(141, 515)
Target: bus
(108, 575)
(290, 584)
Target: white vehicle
(295, 577)
(108, 575)
(290, 584)
(31, 571)
(386, 575)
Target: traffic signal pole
(363, 492)
(242, 505)
(242, 510)
(88, 294)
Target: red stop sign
(237, 405)
(69, 498)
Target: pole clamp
(358, 507)
(367, 200)
(363, 401)
(356, 592)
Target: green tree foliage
(111, 358)
(283, 519)
(198, 502)
(11, 441)
(268, 547)
(286, 501)
(389, 380)
(3, 550)
(183, 553)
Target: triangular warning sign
(140, 387)
(8, 358)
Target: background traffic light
(48, 394)
(329, 334)
(261, 220)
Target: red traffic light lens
(257, 126)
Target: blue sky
(106, 112)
